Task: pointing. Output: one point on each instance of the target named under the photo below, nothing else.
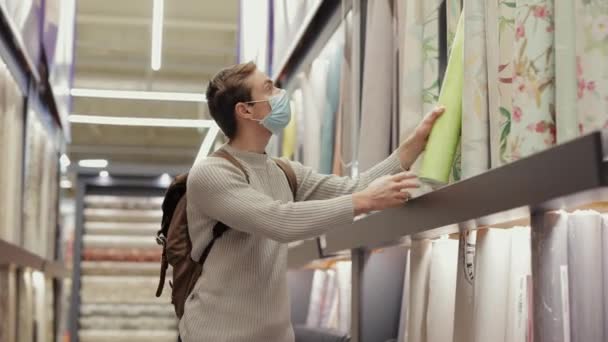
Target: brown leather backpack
(174, 237)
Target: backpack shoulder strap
(290, 174)
(219, 229)
(227, 156)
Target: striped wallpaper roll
(122, 215)
(128, 310)
(127, 336)
(117, 322)
(121, 228)
(123, 202)
(122, 254)
(103, 241)
(116, 268)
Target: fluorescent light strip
(138, 95)
(133, 121)
(157, 34)
(93, 163)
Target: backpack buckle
(161, 239)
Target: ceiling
(113, 51)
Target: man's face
(262, 88)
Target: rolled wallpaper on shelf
(591, 46)
(11, 157)
(343, 148)
(420, 264)
(120, 270)
(475, 139)
(465, 296)
(585, 276)
(8, 303)
(122, 229)
(442, 290)
(104, 241)
(441, 147)
(376, 96)
(100, 335)
(117, 322)
(123, 202)
(122, 215)
(330, 298)
(122, 289)
(122, 254)
(128, 310)
(117, 268)
(328, 122)
(550, 277)
(491, 284)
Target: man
(242, 293)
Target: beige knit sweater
(242, 294)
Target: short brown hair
(225, 90)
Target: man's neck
(253, 142)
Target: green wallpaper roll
(444, 138)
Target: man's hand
(413, 146)
(385, 192)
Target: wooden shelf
(301, 254)
(564, 176)
(11, 254)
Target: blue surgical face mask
(280, 113)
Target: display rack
(24, 70)
(111, 185)
(37, 93)
(311, 39)
(11, 254)
(564, 176)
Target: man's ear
(243, 111)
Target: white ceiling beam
(133, 82)
(132, 150)
(142, 64)
(116, 48)
(138, 95)
(206, 25)
(139, 121)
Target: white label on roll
(565, 302)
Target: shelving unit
(540, 182)
(24, 70)
(311, 39)
(115, 185)
(567, 176)
(11, 254)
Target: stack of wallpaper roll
(547, 282)
(330, 298)
(11, 156)
(41, 189)
(120, 269)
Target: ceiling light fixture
(165, 179)
(66, 184)
(157, 34)
(135, 121)
(104, 174)
(93, 163)
(138, 95)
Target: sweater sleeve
(316, 186)
(220, 191)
